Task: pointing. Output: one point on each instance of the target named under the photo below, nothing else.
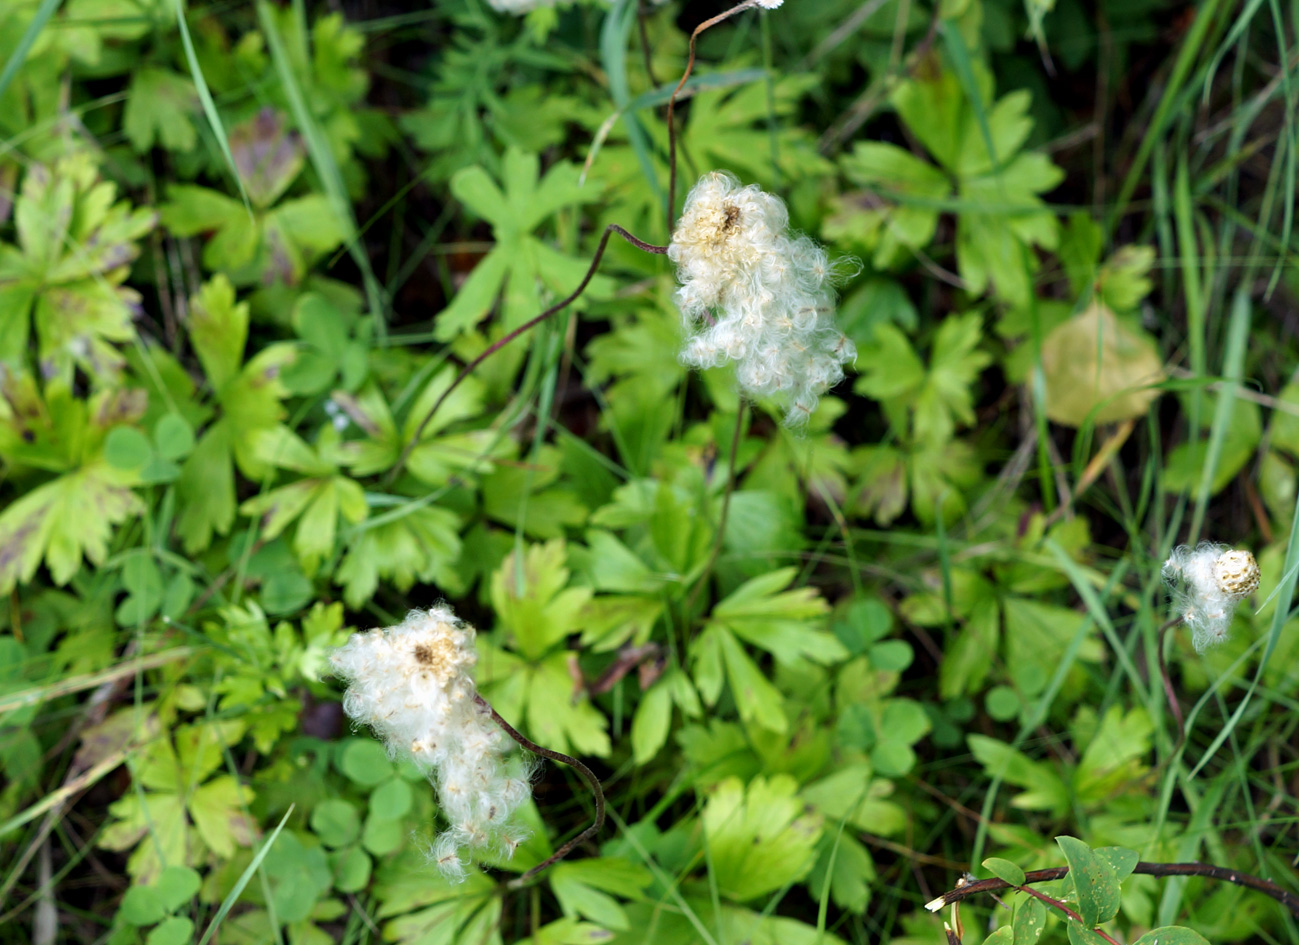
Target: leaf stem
(586, 774)
(510, 336)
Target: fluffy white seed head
(413, 685)
(754, 294)
(1207, 582)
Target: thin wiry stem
(510, 336)
(1207, 870)
(1171, 693)
(586, 774)
(672, 127)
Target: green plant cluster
(246, 251)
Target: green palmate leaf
(520, 262)
(439, 455)
(277, 242)
(159, 107)
(848, 866)
(73, 515)
(758, 838)
(899, 213)
(1094, 880)
(583, 888)
(717, 655)
(75, 246)
(729, 130)
(421, 544)
(250, 399)
(533, 601)
(315, 503)
(939, 397)
(542, 699)
(1115, 754)
(787, 624)
(1044, 788)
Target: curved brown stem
(586, 774)
(1208, 871)
(1167, 680)
(510, 336)
(672, 127)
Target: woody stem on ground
(1206, 870)
(672, 127)
(1171, 693)
(522, 329)
(583, 771)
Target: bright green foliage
(519, 262)
(159, 108)
(74, 249)
(817, 673)
(185, 809)
(248, 396)
(978, 145)
(532, 679)
(60, 520)
(272, 241)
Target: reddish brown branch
(1206, 870)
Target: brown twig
(586, 774)
(1206, 870)
(510, 336)
(672, 127)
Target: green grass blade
(205, 100)
(1232, 368)
(613, 57)
(322, 160)
(43, 13)
(1285, 594)
(237, 890)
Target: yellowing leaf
(1094, 362)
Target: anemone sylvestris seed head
(756, 295)
(1207, 583)
(413, 685)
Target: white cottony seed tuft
(762, 294)
(1207, 582)
(413, 685)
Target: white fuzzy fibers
(413, 685)
(1207, 582)
(761, 294)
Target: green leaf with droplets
(1095, 882)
